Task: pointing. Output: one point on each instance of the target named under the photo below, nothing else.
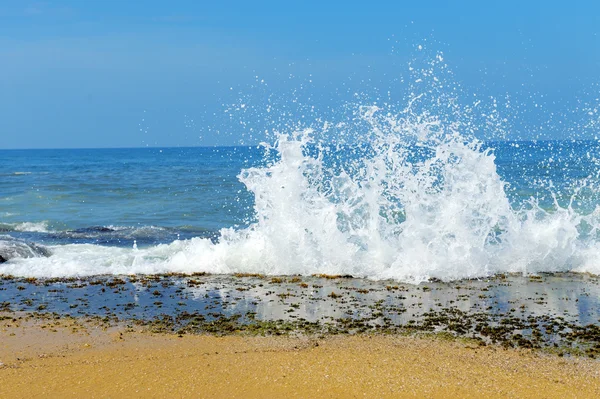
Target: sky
(85, 74)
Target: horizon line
(247, 145)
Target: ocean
(397, 205)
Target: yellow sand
(55, 361)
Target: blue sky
(136, 73)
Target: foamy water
(413, 196)
(445, 216)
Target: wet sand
(75, 358)
(291, 336)
(554, 313)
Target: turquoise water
(174, 203)
(152, 195)
(196, 192)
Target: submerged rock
(14, 248)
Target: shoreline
(75, 357)
(251, 336)
(555, 313)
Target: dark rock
(94, 229)
(14, 248)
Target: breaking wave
(414, 195)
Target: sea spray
(444, 216)
(419, 201)
(406, 192)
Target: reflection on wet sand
(515, 310)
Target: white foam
(36, 227)
(446, 216)
(389, 214)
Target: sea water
(459, 210)
(408, 191)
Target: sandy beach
(68, 358)
(301, 199)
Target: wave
(383, 215)
(413, 196)
(130, 235)
(33, 227)
(110, 235)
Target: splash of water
(389, 215)
(419, 201)
(413, 196)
